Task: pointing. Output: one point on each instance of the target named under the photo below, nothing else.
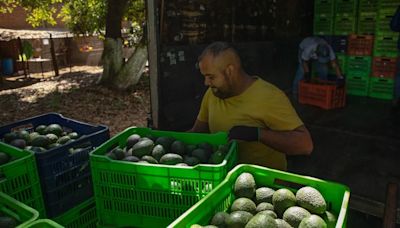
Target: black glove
(244, 133)
(307, 77)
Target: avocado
(264, 194)
(182, 164)
(37, 149)
(119, 153)
(7, 222)
(238, 219)
(261, 221)
(294, 215)
(171, 159)
(189, 148)
(330, 219)
(32, 136)
(142, 148)
(131, 159)
(313, 221)
(311, 199)
(206, 146)
(165, 141)
(269, 213)
(53, 145)
(201, 154)
(157, 152)
(132, 140)
(111, 155)
(191, 161)
(4, 158)
(41, 129)
(73, 135)
(244, 204)
(282, 200)
(52, 138)
(54, 129)
(245, 186)
(143, 161)
(178, 147)
(23, 134)
(20, 143)
(282, 223)
(149, 159)
(63, 140)
(223, 148)
(8, 137)
(217, 157)
(219, 219)
(264, 206)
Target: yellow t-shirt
(260, 105)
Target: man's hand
(244, 133)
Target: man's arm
(336, 67)
(295, 142)
(200, 127)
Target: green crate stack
(383, 23)
(357, 85)
(20, 178)
(344, 25)
(324, 8)
(323, 17)
(153, 195)
(221, 199)
(381, 88)
(346, 8)
(367, 7)
(385, 46)
(323, 26)
(43, 223)
(366, 19)
(388, 4)
(358, 66)
(81, 216)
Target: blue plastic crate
(64, 176)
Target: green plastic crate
(382, 25)
(323, 26)
(20, 178)
(21, 212)
(346, 8)
(385, 46)
(324, 8)
(357, 85)
(81, 216)
(393, 4)
(358, 65)
(367, 6)
(148, 195)
(366, 24)
(43, 223)
(381, 88)
(336, 195)
(344, 26)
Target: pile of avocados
(42, 138)
(256, 206)
(168, 151)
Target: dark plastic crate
(367, 6)
(63, 174)
(383, 4)
(339, 44)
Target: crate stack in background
(384, 63)
(323, 17)
(365, 45)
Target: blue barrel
(7, 66)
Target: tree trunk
(117, 73)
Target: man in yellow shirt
(253, 111)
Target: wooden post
(389, 216)
(53, 56)
(21, 52)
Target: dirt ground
(75, 95)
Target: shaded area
(76, 95)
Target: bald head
(222, 54)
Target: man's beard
(218, 93)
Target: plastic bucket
(7, 66)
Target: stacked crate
(385, 52)
(358, 67)
(323, 17)
(345, 18)
(366, 17)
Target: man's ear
(229, 69)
